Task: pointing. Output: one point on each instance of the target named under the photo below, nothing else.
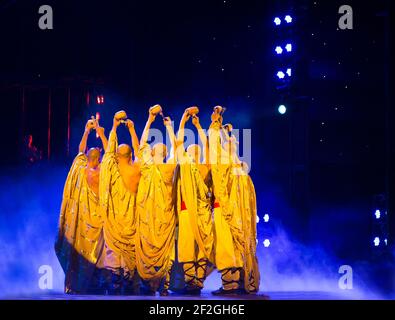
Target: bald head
(124, 152)
(159, 150)
(93, 157)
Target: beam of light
(277, 21)
(288, 18)
(282, 110)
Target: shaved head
(124, 151)
(93, 157)
(159, 150)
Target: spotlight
(257, 219)
(266, 243)
(277, 21)
(280, 75)
(377, 214)
(376, 241)
(278, 50)
(288, 47)
(385, 241)
(282, 110)
(288, 18)
(266, 218)
(289, 72)
(100, 99)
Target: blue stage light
(288, 47)
(282, 109)
(280, 75)
(289, 72)
(277, 21)
(288, 18)
(377, 214)
(376, 241)
(278, 50)
(266, 243)
(266, 218)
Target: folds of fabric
(231, 221)
(242, 201)
(79, 240)
(118, 208)
(155, 221)
(198, 215)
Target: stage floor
(283, 295)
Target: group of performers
(129, 220)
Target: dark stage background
(321, 170)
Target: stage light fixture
(266, 218)
(288, 47)
(282, 109)
(376, 241)
(377, 214)
(277, 21)
(278, 50)
(288, 18)
(266, 243)
(257, 219)
(280, 75)
(289, 72)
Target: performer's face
(93, 157)
(195, 152)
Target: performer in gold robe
(195, 225)
(230, 238)
(242, 196)
(155, 211)
(118, 188)
(79, 242)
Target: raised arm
(88, 127)
(180, 135)
(103, 138)
(170, 131)
(113, 140)
(133, 135)
(144, 136)
(202, 136)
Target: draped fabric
(193, 190)
(235, 192)
(79, 241)
(242, 199)
(118, 208)
(156, 220)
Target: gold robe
(155, 221)
(79, 241)
(194, 191)
(242, 199)
(118, 208)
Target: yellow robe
(242, 199)
(235, 219)
(194, 191)
(118, 208)
(79, 241)
(155, 221)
